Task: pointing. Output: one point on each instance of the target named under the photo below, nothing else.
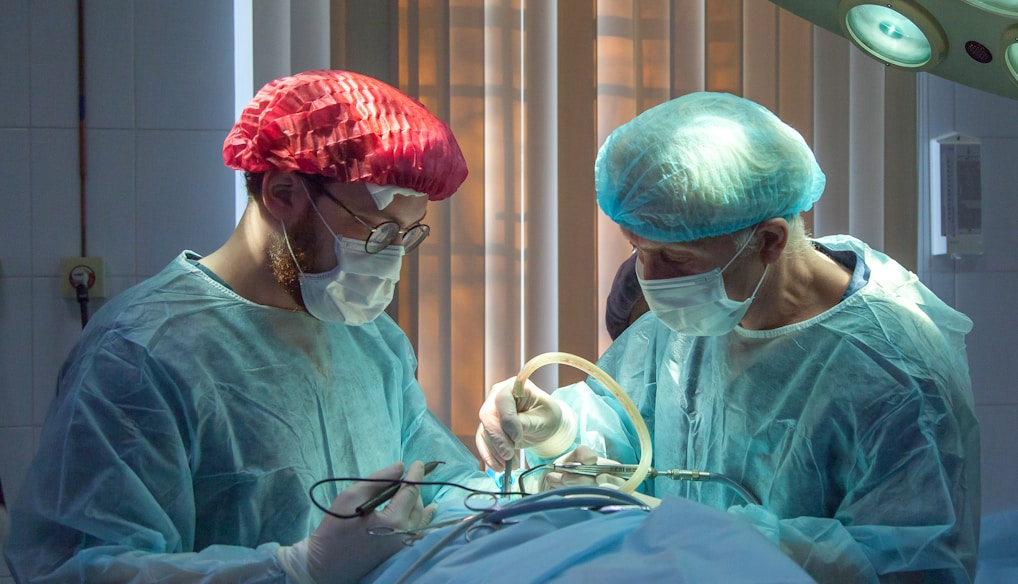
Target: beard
(303, 242)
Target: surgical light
(897, 33)
(971, 42)
(1005, 7)
(1011, 52)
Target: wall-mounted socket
(88, 270)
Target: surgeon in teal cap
(817, 373)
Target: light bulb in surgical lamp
(888, 35)
(892, 30)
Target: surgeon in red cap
(201, 407)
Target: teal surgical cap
(702, 165)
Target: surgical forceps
(625, 471)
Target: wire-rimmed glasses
(383, 234)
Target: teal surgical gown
(190, 424)
(855, 428)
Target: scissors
(479, 502)
(412, 536)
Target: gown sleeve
(114, 502)
(426, 438)
(903, 518)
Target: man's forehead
(350, 191)
(359, 199)
(643, 242)
(706, 244)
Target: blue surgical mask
(697, 305)
(358, 289)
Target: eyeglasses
(383, 234)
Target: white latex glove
(342, 550)
(584, 455)
(534, 421)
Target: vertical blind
(520, 260)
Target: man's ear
(774, 237)
(284, 195)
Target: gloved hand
(555, 479)
(534, 421)
(342, 550)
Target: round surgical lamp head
(896, 32)
(1003, 7)
(1010, 44)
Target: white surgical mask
(696, 305)
(358, 289)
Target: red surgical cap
(350, 127)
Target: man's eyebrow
(412, 223)
(383, 217)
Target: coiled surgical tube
(646, 450)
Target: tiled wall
(159, 95)
(984, 287)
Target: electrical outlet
(88, 270)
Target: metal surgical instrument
(390, 491)
(412, 535)
(490, 518)
(625, 471)
(646, 449)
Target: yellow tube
(646, 454)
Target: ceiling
(972, 42)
